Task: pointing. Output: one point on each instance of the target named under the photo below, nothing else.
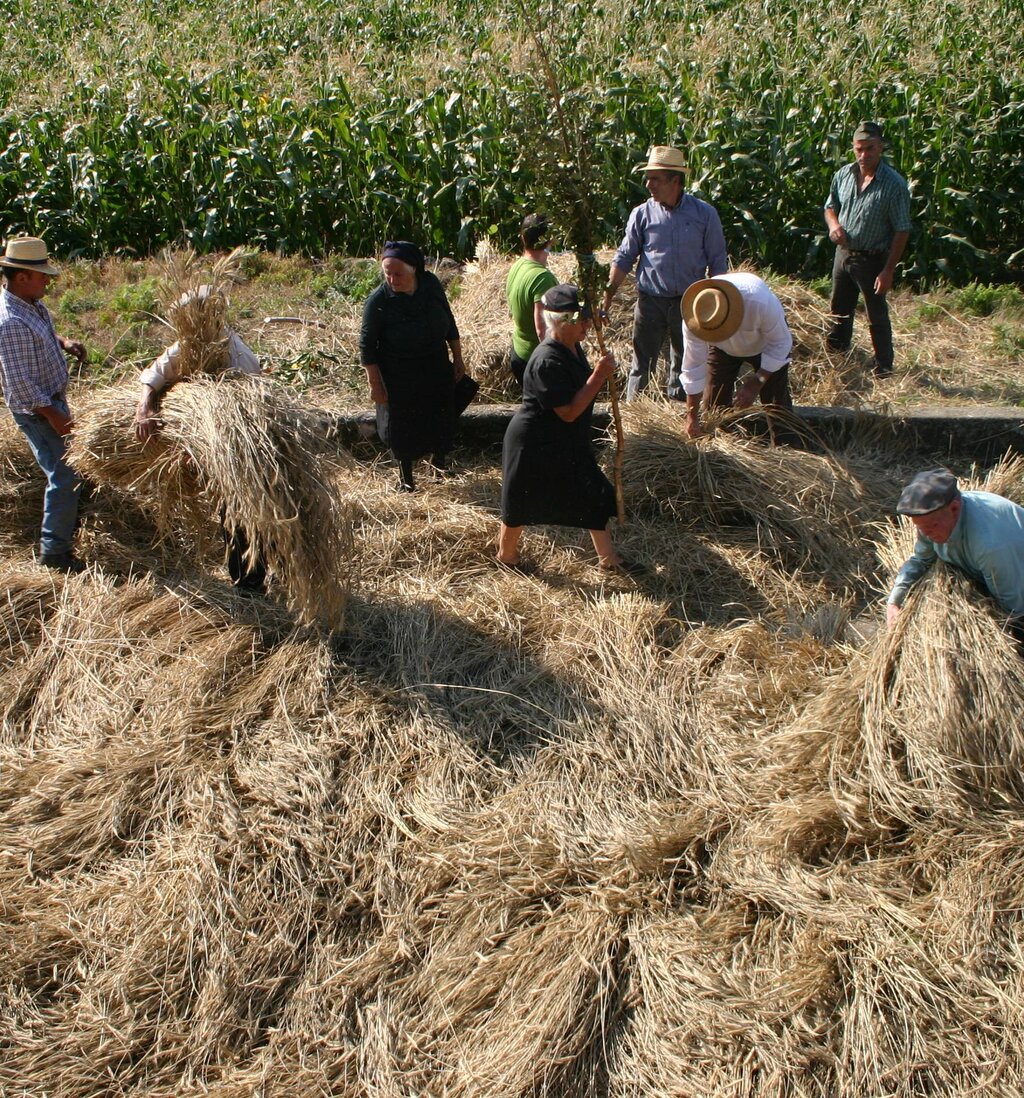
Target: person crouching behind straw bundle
(213, 348)
(979, 533)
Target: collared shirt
(676, 246)
(763, 331)
(166, 371)
(33, 368)
(987, 544)
(873, 216)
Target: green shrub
(340, 276)
(134, 302)
(976, 299)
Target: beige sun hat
(664, 158)
(27, 253)
(712, 309)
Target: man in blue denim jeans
(34, 378)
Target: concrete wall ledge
(981, 434)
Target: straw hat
(712, 309)
(27, 253)
(664, 158)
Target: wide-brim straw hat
(664, 158)
(27, 253)
(712, 309)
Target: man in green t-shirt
(528, 280)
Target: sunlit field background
(326, 128)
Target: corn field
(314, 127)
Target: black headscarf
(406, 252)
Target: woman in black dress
(549, 472)
(408, 329)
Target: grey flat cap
(928, 492)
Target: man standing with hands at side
(868, 216)
(34, 377)
(675, 240)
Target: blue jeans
(60, 502)
(655, 321)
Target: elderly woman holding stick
(549, 472)
(408, 330)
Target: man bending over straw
(207, 345)
(979, 533)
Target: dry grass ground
(561, 835)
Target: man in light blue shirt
(979, 533)
(675, 240)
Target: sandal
(520, 567)
(624, 568)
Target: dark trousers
(655, 320)
(248, 577)
(518, 366)
(854, 273)
(724, 372)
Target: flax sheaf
(243, 449)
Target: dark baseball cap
(565, 298)
(869, 131)
(928, 492)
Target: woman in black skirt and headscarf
(408, 329)
(549, 472)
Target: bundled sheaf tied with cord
(239, 448)
(196, 304)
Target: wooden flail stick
(589, 271)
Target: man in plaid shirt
(34, 378)
(868, 216)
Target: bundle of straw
(807, 507)
(241, 448)
(195, 301)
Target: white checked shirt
(33, 368)
(764, 332)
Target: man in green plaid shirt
(868, 215)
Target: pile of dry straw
(518, 836)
